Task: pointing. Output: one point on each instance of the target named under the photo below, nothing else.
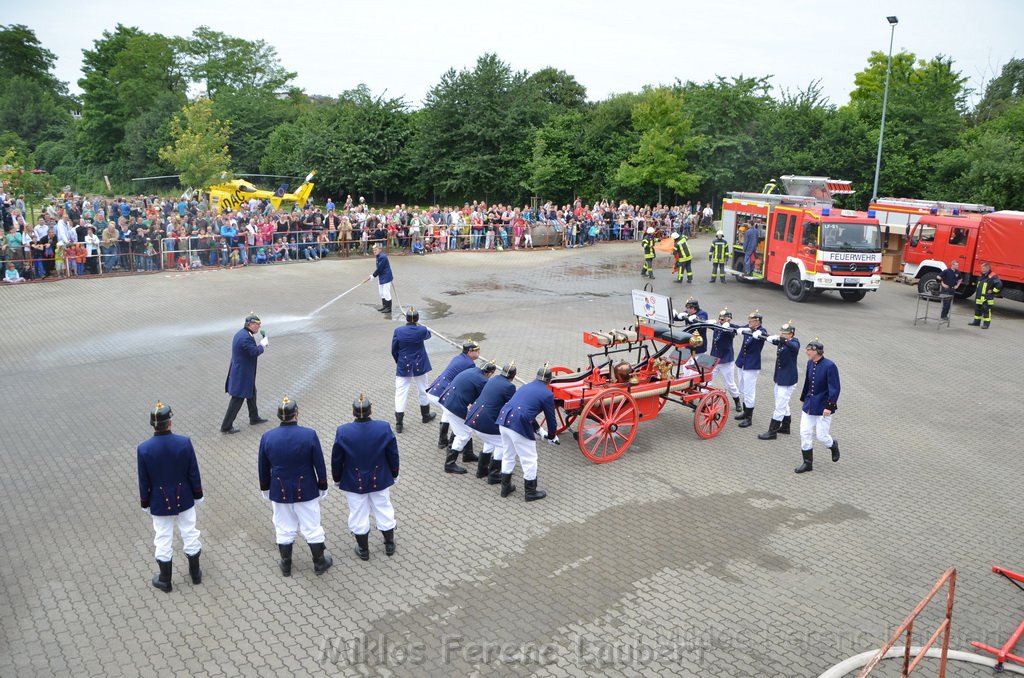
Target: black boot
(322, 561)
(808, 460)
(974, 323)
(750, 418)
(363, 546)
(286, 558)
(163, 580)
(383, 306)
(387, 307)
(467, 453)
(532, 493)
(835, 450)
(507, 487)
(399, 416)
(494, 472)
(784, 426)
(389, 542)
(442, 438)
(773, 429)
(427, 415)
(742, 413)
(193, 568)
(450, 465)
(483, 464)
(739, 403)
(985, 324)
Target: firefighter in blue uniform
(648, 243)
(382, 272)
(820, 397)
(293, 477)
(722, 348)
(785, 379)
(411, 366)
(482, 418)
(695, 314)
(748, 361)
(456, 399)
(170, 488)
(684, 258)
(718, 254)
(516, 423)
(247, 346)
(364, 464)
(989, 285)
(463, 361)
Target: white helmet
(675, 236)
(650, 229)
(720, 234)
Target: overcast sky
(404, 46)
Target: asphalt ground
(683, 557)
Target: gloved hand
(200, 500)
(745, 330)
(773, 338)
(264, 342)
(323, 494)
(692, 317)
(266, 494)
(554, 441)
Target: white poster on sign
(652, 307)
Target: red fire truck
(804, 243)
(936, 239)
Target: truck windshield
(849, 237)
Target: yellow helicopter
(229, 195)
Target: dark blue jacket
(464, 389)
(241, 379)
(365, 457)
(169, 481)
(291, 464)
(383, 270)
(785, 361)
(821, 387)
(408, 350)
(458, 364)
(749, 356)
(483, 415)
(721, 343)
(522, 409)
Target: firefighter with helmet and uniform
(648, 243)
(516, 423)
(722, 348)
(684, 258)
(482, 417)
(170, 488)
(748, 361)
(411, 366)
(718, 254)
(293, 478)
(364, 464)
(820, 397)
(463, 361)
(455, 401)
(785, 379)
(989, 285)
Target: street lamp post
(885, 100)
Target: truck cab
(933, 243)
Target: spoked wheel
(711, 414)
(608, 426)
(565, 420)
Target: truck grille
(852, 268)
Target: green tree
(200, 150)
(608, 139)
(33, 103)
(666, 141)
(1002, 92)
(14, 170)
(222, 63)
(555, 170)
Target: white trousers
(446, 416)
(728, 372)
(463, 434)
(402, 391)
(304, 517)
(748, 386)
(783, 394)
(518, 446)
(812, 426)
(359, 506)
(384, 290)
(493, 445)
(163, 527)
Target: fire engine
(971, 234)
(804, 243)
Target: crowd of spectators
(78, 235)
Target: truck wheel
(929, 283)
(852, 295)
(796, 290)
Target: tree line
(209, 104)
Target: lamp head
(893, 20)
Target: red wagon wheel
(608, 425)
(711, 414)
